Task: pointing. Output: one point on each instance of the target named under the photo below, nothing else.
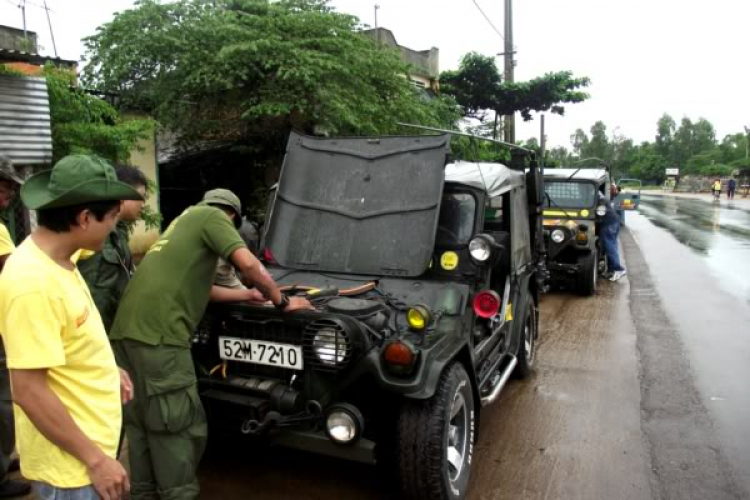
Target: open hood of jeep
(360, 205)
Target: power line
(488, 19)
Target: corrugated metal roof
(25, 133)
(11, 55)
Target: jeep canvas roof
(597, 175)
(494, 178)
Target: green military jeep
(424, 278)
(573, 206)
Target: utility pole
(377, 7)
(49, 23)
(22, 6)
(747, 142)
(510, 120)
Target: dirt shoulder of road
(687, 461)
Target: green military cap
(74, 180)
(8, 171)
(226, 198)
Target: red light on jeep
(399, 354)
(268, 256)
(486, 304)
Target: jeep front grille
(327, 345)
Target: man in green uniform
(108, 272)
(165, 424)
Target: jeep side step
(498, 382)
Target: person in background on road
(731, 186)
(152, 335)
(10, 181)
(716, 188)
(107, 272)
(610, 231)
(66, 385)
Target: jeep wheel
(587, 274)
(436, 440)
(527, 346)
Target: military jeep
(573, 207)
(424, 278)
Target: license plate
(260, 352)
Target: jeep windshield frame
(560, 193)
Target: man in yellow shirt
(66, 385)
(9, 183)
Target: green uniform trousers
(165, 423)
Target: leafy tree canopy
(478, 87)
(85, 124)
(249, 70)
(692, 147)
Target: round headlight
(341, 427)
(330, 346)
(344, 424)
(558, 236)
(601, 210)
(480, 249)
(418, 317)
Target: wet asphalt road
(699, 258)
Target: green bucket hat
(8, 171)
(74, 180)
(226, 198)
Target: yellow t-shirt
(48, 320)
(6, 244)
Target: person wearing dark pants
(609, 233)
(731, 186)
(165, 425)
(9, 184)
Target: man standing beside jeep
(610, 232)
(152, 332)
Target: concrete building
(424, 64)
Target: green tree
(250, 70)
(478, 88)
(560, 157)
(85, 124)
(580, 142)
(665, 129)
(599, 145)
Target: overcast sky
(644, 57)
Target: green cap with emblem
(226, 198)
(74, 180)
(8, 171)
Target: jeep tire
(436, 440)
(588, 267)
(527, 343)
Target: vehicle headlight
(344, 424)
(480, 249)
(558, 236)
(330, 346)
(418, 317)
(601, 210)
